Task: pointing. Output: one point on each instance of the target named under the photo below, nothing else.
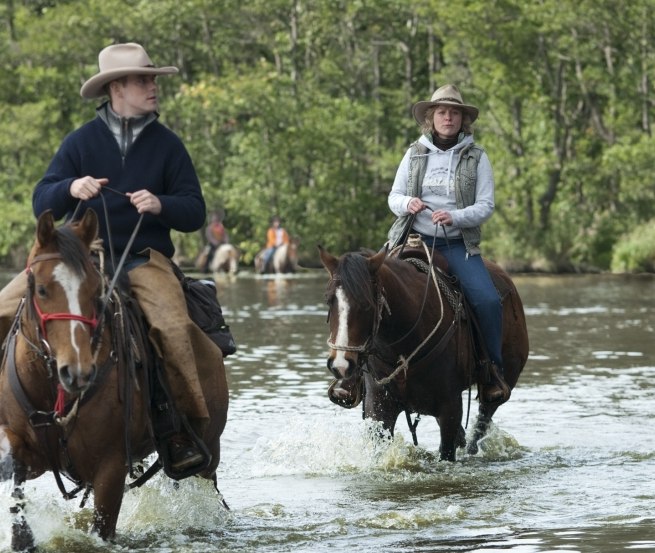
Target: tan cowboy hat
(119, 60)
(447, 95)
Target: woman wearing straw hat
(148, 171)
(444, 191)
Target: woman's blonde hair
(428, 124)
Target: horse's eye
(41, 291)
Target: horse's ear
(329, 261)
(45, 228)
(376, 261)
(88, 227)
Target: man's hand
(86, 188)
(145, 202)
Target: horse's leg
(450, 424)
(108, 488)
(22, 538)
(460, 439)
(380, 405)
(485, 412)
(214, 479)
(6, 459)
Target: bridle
(380, 306)
(44, 350)
(92, 322)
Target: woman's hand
(415, 205)
(442, 217)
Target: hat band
(448, 100)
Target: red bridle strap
(45, 317)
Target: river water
(569, 463)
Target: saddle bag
(205, 311)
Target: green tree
(302, 108)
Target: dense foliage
(302, 108)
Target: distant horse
(284, 260)
(74, 395)
(226, 260)
(398, 336)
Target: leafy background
(302, 108)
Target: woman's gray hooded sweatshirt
(467, 192)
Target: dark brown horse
(70, 401)
(398, 335)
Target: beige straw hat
(448, 95)
(119, 60)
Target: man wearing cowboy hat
(444, 191)
(151, 178)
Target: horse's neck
(402, 295)
(415, 303)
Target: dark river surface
(568, 465)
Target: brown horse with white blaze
(70, 402)
(399, 336)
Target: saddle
(416, 253)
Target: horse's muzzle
(74, 380)
(342, 370)
(346, 392)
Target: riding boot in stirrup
(184, 453)
(497, 390)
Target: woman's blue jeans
(480, 292)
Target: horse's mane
(353, 275)
(72, 250)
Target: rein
(107, 297)
(403, 362)
(117, 268)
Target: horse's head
(63, 292)
(292, 251)
(354, 309)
